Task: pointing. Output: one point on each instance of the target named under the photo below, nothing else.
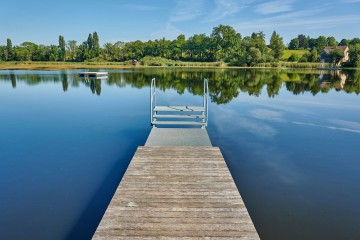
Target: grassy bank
(288, 53)
(145, 62)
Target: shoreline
(120, 65)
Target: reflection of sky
(297, 154)
(294, 158)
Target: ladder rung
(178, 116)
(178, 123)
(179, 108)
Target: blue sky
(41, 21)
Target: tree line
(224, 44)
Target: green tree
(303, 41)
(82, 52)
(293, 57)
(198, 47)
(224, 40)
(96, 46)
(3, 53)
(312, 43)
(331, 41)
(90, 46)
(354, 55)
(336, 55)
(61, 48)
(294, 44)
(71, 49)
(53, 53)
(344, 42)
(41, 53)
(178, 47)
(277, 45)
(9, 49)
(354, 41)
(321, 43)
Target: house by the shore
(325, 54)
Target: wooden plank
(177, 193)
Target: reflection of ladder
(179, 115)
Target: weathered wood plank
(177, 192)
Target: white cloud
(169, 31)
(225, 8)
(309, 19)
(274, 7)
(347, 124)
(186, 10)
(345, 129)
(226, 117)
(265, 114)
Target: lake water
(290, 138)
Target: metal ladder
(179, 115)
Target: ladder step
(178, 116)
(178, 123)
(179, 108)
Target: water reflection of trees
(224, 84)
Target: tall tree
(96, 46)
(71, 49)
(61, 48)
(90, 46)
(277, 45)
(303, 41)
(9, 49)
(321, 43)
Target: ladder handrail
(152, 98)
(206, 101)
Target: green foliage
(3, 53)
(354, 55)
(277, 45)
(62, 50)
(293, 57)
(303, 41)
(10, 50)
(344, 42)
(224, 46)
(71, 50)
(312, 56)
(294, 44)
(224, 42)
(331, 41)
(336, 55)
(321, 43)
(157, 61)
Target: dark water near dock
(290, 139)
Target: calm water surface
(291, 140)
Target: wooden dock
(93, 74)
(175, 191)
